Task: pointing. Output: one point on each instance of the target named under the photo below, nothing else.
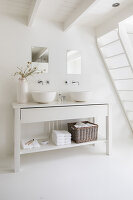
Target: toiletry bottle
(59, 97)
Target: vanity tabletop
(57, 104)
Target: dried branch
(28, 71)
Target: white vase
(22, 91)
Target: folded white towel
(25, 144)
(61, 133)
(81, 124)
(61, 143)
(89, 125)
(61, 140)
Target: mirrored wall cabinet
(40, 58)
(73, 62)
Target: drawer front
(62, 113)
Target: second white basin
(43, 97)
(82, 96)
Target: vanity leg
(108, 132)
(17, 130)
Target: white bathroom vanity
(33, 112)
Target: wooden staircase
(117, 53)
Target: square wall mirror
(73, 62)
(40, 58)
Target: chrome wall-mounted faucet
(42, 82)
(71, 82)
(75, 82)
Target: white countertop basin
(82, 96)
(43, 97)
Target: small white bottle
(59, 97)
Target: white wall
(131, 38)
(16, 40)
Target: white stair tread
(117, 61)
(115, 55)
(121, 73)
(115, 68)
(130, 115)
(124, 85)
(128, 105)
(126, 96)
(125, 90)
(102, 46)
(127, 101)
(109, 37)
(122, 79)
(112, 49)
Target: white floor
(83, 173)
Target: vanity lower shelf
(51, 146)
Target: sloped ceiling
(62, 10)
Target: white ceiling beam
(77, 14)
(33, 12)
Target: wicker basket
(83, 134)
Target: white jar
(22, 91)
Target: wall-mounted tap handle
(40, 82)
(47, 82)
(67, 82)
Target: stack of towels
(61, 137)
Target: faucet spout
(75, 82)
